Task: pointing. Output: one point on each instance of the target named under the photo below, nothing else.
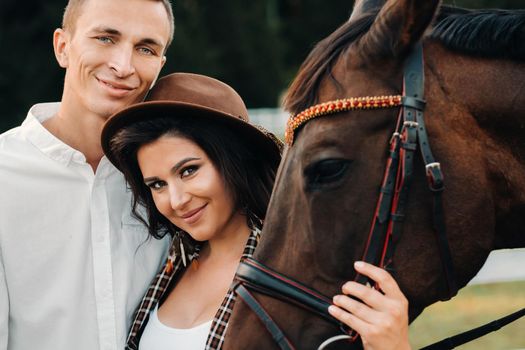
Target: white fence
(273, 119)
(502, 266)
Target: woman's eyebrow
(174, 169)
(179, 164)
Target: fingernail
(332, 309)
(359, 264)
(335, 298)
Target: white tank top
(157, 336)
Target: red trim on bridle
(338, 106)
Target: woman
(204, 176)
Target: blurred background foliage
(256, 46)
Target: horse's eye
(325, 172)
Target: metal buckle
(434, 176)
(434, 165)
(410, 124)
(395, 135)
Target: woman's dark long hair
(247, 176)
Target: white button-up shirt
(74, 263)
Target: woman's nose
(179, 198)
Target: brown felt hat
(186, 95)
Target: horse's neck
(493, 93)
(492, 90)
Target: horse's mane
(485, 33)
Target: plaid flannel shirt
(159, 287)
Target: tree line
(255, 46)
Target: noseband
(410, 132)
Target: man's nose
(122, 62)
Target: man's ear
(61, 46)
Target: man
(73, 261)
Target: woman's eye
(157, 185)
(188, 171)
(325, 172)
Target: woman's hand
(380, 319)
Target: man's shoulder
(14, 136)
(15, 139)
(11, 138)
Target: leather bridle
(389, 215)
(409, 135)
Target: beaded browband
(343, 105)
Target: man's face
(113, 55)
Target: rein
(385, 231)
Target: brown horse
(327, 187)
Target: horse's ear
(363, 6)
(397, 27)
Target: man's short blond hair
(74, 8)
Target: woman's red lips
(193, 215)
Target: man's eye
(105, 39)
(188, 171)
(146, 51)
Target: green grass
(473, 307)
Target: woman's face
(187, 188)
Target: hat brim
(265, 143)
